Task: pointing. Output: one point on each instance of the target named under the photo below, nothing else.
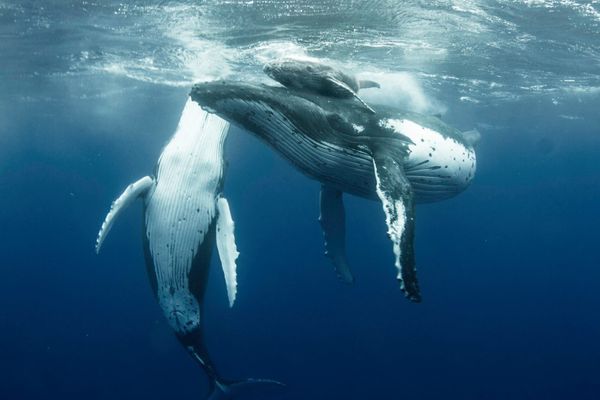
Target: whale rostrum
(396, 157)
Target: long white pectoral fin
(227, 249)
(333, 223)
(131, 193)
(342, 89)
(368, 107)
(396, 195)
(339, 88)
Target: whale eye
(309, 68)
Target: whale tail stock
(219, 388)
(226, 390)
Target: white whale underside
(438, 167)
(181, 208)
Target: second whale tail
(222, 390)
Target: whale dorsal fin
(227, 249)
(395, 193)
(135, 190)
(333, 223)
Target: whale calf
(184, 214)
(312, 75)
(396, 157)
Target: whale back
(313, 76)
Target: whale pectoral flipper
(341, 89)
(132, 192)
(395, 193)
(227, 249)
(366, 84)
(333, 223)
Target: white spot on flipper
(395, 219)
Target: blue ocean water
(90, 92)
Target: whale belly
(180, 212)
(438, 166)
(348, 170)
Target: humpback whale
(396, 157)
(184, 214)
(314, 76)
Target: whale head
(276, 71)
(261, 108)
(292, 72)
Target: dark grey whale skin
(331, 140)
(290, 123)
(316, 77)
(349, 148)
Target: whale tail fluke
(222, 390)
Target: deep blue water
(509, 269)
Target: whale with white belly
(184, 215)
(399, 158)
